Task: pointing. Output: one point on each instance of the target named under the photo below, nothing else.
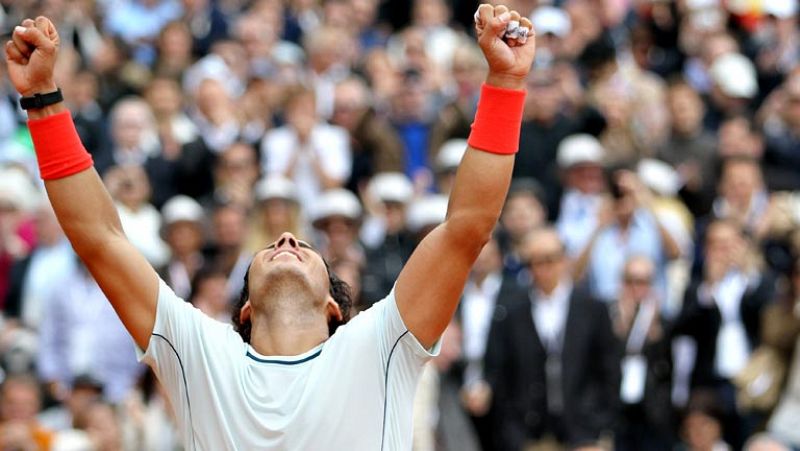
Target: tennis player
(282, 379)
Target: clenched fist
(509, 57)
(31, 55)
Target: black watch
(38, 101)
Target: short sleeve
(394, 337)
(185, 340)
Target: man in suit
(646, 420)
(722, 313)
(553, 360)
(485, 301)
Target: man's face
(546, 259)
(288, 263)
(20, 401)
(637, 279)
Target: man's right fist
(31, 55)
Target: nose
(287, 239)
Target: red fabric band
(497, 120)
(59, 150)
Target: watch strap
(38, 101)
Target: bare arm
(431, 283)
(81, 202)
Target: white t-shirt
(353, 392)
(328, 143)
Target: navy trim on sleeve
(386, 386)
(185, 386)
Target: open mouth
(285, 253)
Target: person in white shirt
(311, 153)
(293, 374)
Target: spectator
(630, 228)
(75, 400)
(236, 172)
(228, 249)
(701, 429)
(690, 149)
(734, 86)
(721, 313)
(215, 113)
(131, 190)
(81, 334)
(314, 155)
(741, 195)
(210, 293)
(337, 217)
(484, 302)
(646, 364)
(184, 234)
(375, 145)
(386, 234)
(546, 124)
(554, 373)
(523, 213)
(31, 274)
(453, 120)
(579, 158)
(20, 401)
(782, 135)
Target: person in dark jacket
(553, 361)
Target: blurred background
(640, 292)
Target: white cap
(694, 5)
(182, 208)
(17, 188)
(659, 176)
(336, 202)
(735, 75)
(427, 211)
(782, 9)
(580, 148)
(391, 187)
(549, 19)
(450, 154)
(275, 187)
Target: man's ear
(334, 312)
(245, 312)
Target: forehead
(639, 266)
(543, 242)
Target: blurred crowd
(642, 290)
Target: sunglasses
(634, 280)
(546, 259)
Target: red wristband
(58, 148)
(497, 120)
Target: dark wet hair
(339, 291)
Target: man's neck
(285, 335)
